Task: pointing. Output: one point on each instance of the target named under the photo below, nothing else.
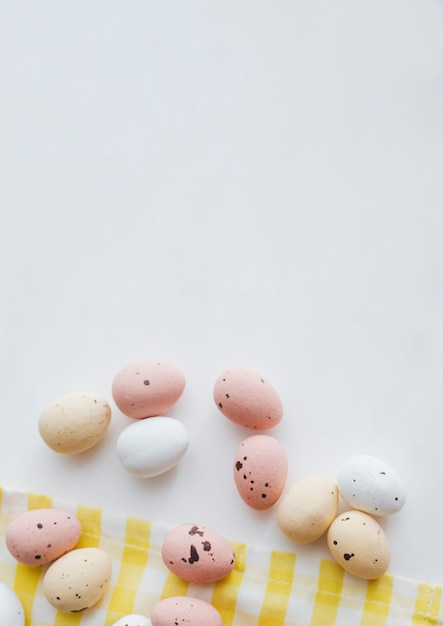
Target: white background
(219, 183)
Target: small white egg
(11, 609)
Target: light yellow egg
(308, 508)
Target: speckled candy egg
(308, 508)
(185, 610)
(133, 620)
(260, 471)
(147, 388)
(74, 422)
(197, 554)
(247, 398)
(152, 446)
(11, 609)
(77, 580)
(370, 485)
(359, 544)
(40, 536)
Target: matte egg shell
(74, 422)
(260, 471)
(150, 447)
(184, 610)
(308, 508)
(77, 580)
(247, 398)
(11, 609)
(197, 554)
(147, 388)
(40, 536)
(370, 485)
(133, 620)
(359, 544)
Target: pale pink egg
(260, 471)
(40, 536)
(147, 388)
(197, 554)
(185, 610)
(247, 398)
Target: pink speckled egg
(185, 610)
(247, 398)
(197, 554)
(147, 388)
(40, 536)
(260, 471)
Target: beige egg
(74, 422)
(359, 544)
(77, 580)
(308, 508)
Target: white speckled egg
(370, 485)
(147, 388)
(11, 609)
(197, 554)
(359, 544)
(260, 471)
(133, 620)
(185, 610)
(74, 422)
(308, 508)
(152, 446)
(40, 536)
(247, 398)
(77, 580)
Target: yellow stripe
(377, 601)
(39, 501)
(225, 592)
(174, 586)
(427, 605)
(327, 598)
(67, 619)
(90, 519)
(133, 564)
(26, 581)
(278, 589)
(1, 498)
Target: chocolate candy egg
(40, 536)
(133, 620)
(197, 554)
(185, 610)
(260, 471)
(370, 485)
(359, 544)
(150, 447)
(11, 609)
(77, 580)
(147, 388)
(74, 422)
(247, 398)
(308, 508)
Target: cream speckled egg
(40, 536)
(77, 580)
(74, 422)
(147, 388)
(133, 620)
(260, 471)
(11, 609)
(308, 508)
(247, 398)
(197, 554)
(150, 447)
(359, 544)
(370, 485)
(179, 610)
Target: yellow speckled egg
(77, 580)
(197, 554)
(74, 422)
(260, 471)
(247, 398)
(184, 610)
(308, 508)
(359, 544)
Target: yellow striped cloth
(266, 588)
